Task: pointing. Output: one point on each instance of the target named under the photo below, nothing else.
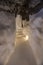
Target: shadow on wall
(7, 24)
(7, 34)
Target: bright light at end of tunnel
(26, 37)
